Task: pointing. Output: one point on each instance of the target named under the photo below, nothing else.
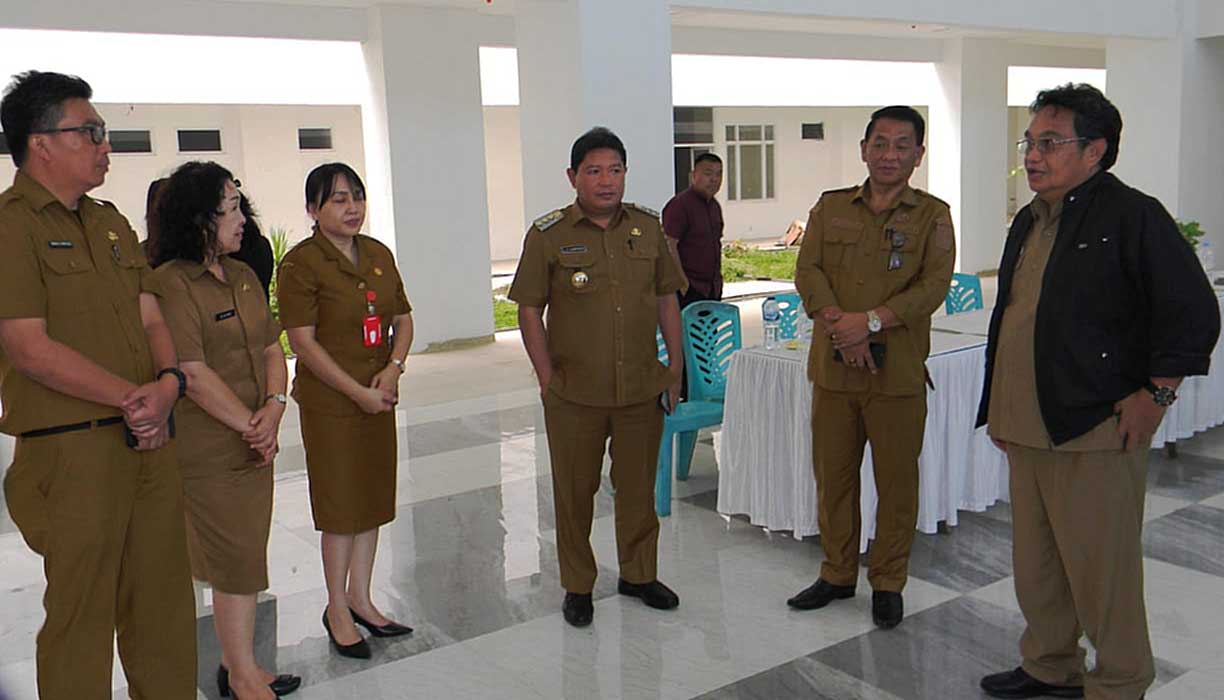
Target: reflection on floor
(470, 562)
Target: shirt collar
(575, 215)
(33, 191)
(908, 196)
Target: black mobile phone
(877, 354)
(665, 402)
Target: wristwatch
(399, 364)
(1164, 396)
(182, 379)
(280, 398)
(874, 324)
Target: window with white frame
(694, 135)
(750, 161)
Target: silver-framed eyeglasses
(95, 132)
(1045, 144)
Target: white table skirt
(765, 446)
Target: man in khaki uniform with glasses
(87, 358)
(876, 261)
(603, 270)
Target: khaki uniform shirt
(1014, 414)
(83, 272)
(318, 286)
(227, 326)
(602, 290)
(844, 262)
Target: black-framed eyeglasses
(95, 132)
(896, 240)
(1045, 144)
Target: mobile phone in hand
(665, 402)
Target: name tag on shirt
(574, 248)
(60, 244)
(227, 314)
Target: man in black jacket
(1102, 310)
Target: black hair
(593, 140)
(706, 157)
(186, 209)
(321, 183)
(152, 196)
(33, 102)
(255, 250)
(901, 113)
(1095, 116)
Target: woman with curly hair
(228, 346)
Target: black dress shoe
(578, 609)
(356, 650)
(283, 684)
(887, 609)
(391, 629)
(1018, 684)
(819, 594)
(654, 594)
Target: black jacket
(1123, 299)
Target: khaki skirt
(227, 500)
(351, 464)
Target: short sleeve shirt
(601, 290)
(227, 324)
(697, 225)
(319, 286)
(82, 272)
(857, 260)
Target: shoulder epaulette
(840, 190)
(644, 209)
(924, 193)
(548, 220)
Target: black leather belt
(72, 427)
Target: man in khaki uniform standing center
(603, 270)
(876, 261)
(86, 351)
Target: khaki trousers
(108, 522)
(577, 438)
(1077, 519)
(842, 424)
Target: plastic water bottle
(805, 330)
(771, 315)
(1206, 255)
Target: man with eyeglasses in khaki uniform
(88, 379)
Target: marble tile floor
(470, 562)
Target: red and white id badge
(371, 326)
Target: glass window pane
(315, 139)
(769, 171)
(731, 133)
(683, 159)
(130, 141)
(769, 132)
(732, 153)
(750, 133)
(199, 140)
(693, 124)
(752, 185)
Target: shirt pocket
(70, 281)
(641, 256)
(575, 273)
(841, 241)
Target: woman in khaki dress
(343, 304)
(228, 346)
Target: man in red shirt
(694, 225)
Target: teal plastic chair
(791, 306)
(711, 332)
(964, 294)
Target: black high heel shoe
(356, 650)
(391, 629)
(284, 684)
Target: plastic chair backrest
(711, 334)
(662, 346)
(791, 306)
(965, 294)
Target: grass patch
(740, 263)
(505, 312)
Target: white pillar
(967, 149)
(585, 63)
(426, 161)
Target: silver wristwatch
(280, 398)
(874, 324)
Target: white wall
(504, 165)
(259, 144)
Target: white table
(765, 447)
(764, 450)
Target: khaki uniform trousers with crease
(108, 522)
(577, 437)
(842, 424)
(1077, 521)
